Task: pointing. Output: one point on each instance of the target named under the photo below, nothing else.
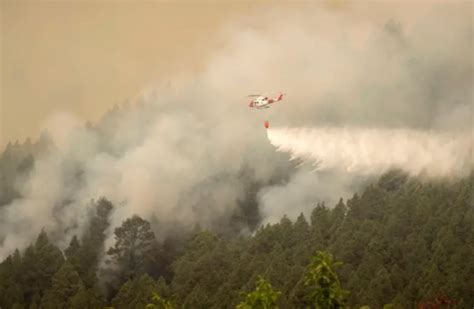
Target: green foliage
(24, 279)
(135, 293)
(87, 298)
(263, 297)
(200, 270)
(160, 303)
(39, 263)
(86, 253)
(403, 242)
(66, 284)
(134, 244)
(11, 290)
(324, 287)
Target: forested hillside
(402, 240)
(16, 162)
(254, 154)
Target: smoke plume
(191, 151)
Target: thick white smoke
(178, 154)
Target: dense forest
(402, 241)
(359, 195)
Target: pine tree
(86, 298)
(66, 284)
(72, 251)
(85, 255)
(11, 291)
(39, 264)
(336, 218)
(135, 293)
(380, 289)
(320, 226)
(134, 243)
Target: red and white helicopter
(262, 101)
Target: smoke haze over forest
(189, 151)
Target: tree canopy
(402, 242)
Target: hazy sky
(84, 57)
(359, 76)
